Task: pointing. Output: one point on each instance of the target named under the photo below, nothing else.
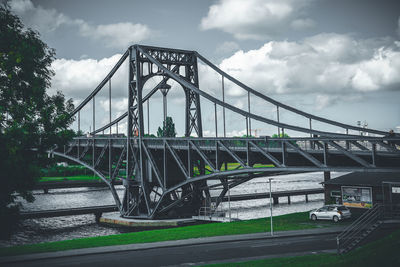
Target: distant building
(362, 190)
(64, 164)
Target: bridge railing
(359, 229)
(305, 143)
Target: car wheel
(335, 218)
(313, 217)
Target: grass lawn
(232, 166)
(295, 221)
(84, 177)
(383, 252)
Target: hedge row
(72, 170)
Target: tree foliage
(31, 121)
(168, 129)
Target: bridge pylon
(140, 164)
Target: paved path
(190, 251)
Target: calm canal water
(62, 228)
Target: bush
(57, 171)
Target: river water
(32, 231)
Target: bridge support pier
(327, 177)
(306, 198)
(276, 200)
(288, 200)
(98, 216)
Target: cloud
(78, 78)
(117, 35)
(227, 47)
(398, 26)
(301, 24)
(39, 18)
(21, 6)
(325, 63)
(256, 19)
(332, 67)
(324, 100)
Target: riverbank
(294, 221)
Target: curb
(164, 244)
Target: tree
(168, 129)
(31, 121)
(273, 143)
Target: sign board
(396, 189)
(357, 197)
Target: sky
(336, 59)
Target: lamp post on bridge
(164, 88)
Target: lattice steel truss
(169, 177)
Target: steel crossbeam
(202, 155)
(101, 155)
(178, 160)
(349, 154)
(305, 154)
(232, 154)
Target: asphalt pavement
(189, 252)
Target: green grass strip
(383, 252)
(295, 221)
(84, 177)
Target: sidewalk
(174, 243)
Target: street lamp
(164, 88)
(270, 204)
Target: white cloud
(227, 47)
(324, 100)
(118, 35)
(255, 19)
(234, 133)
(39, 18)
(334, 67)
(78, 78)
(324, 63)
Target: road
(190, 255)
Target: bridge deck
(276, 194)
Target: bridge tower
(141, 166)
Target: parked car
(330, 212)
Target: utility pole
(229, 203)
(270, 205)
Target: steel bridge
(172, 177)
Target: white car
(330, 212)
